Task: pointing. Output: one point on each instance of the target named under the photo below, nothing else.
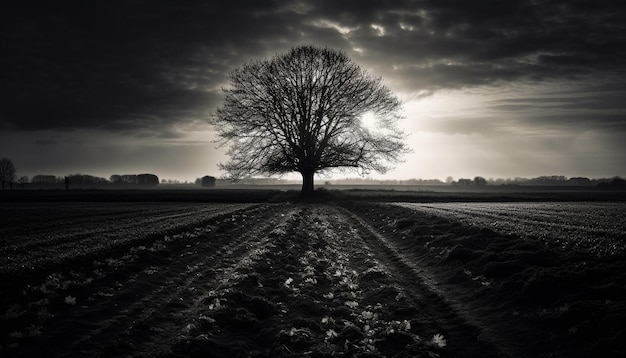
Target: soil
(322, 280)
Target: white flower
(367, 315)
(288, 281)
(206, 319)
(301, 332)
(439, 341)
(70, 300)
(312, 280)
(329, 295)
(352, 304)
(405, 325)
(331, 333)
(215, 305)
(189, 327)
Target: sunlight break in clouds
(323, 23)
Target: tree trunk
(307, 184)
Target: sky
(498, 89)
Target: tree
(302, 111)
(7, 172)
(480, 181)
(44, 179)
(147, 179)
(115, 179)
(208, 181)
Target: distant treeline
(90, 181)
(140, 179)
(552, 180)
(85, 181)
(558, 180)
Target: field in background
(282, 193)
(597, 227)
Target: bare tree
(7, 172)
(302, 112)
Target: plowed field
(293, 280)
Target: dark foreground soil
(293, 280)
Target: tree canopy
(302, 111)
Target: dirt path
(318, 289)
(269, 281)
(467, 336)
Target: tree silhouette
(7, 172)
(207, 181)
(302, 112)
(147, 179)
(480, 181)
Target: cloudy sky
(491, 88)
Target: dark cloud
(454, 44)
(146, 66)
(598, 108)
(115, 65)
